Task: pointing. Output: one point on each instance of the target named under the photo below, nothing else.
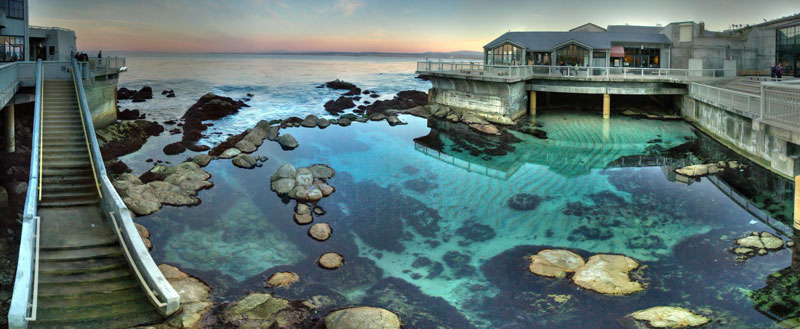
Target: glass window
(599, 54)
(505, 55)
(13, 48)
(572, 55)
(14, 8)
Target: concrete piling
(797, 202)
(532, 98)
(606, 106)
(8, 127)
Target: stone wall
(754, 140)
(102, 99)
(499, 102)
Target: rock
(272, 133)
(420, 111)
(344, 122)
(699, 170)
(302, 209)
(194, 294)
(288, 142)
(283, 186)
(453, 117)
(555, 263)
(125, 137)
(488, 129)
(230, 153)
(175, 186)
(320, 231)
(323, 123)
(471, 118)
(322, 171)
(145, 235)
(362, 318)
(732, 164)
(282, 279)
(201, 159)
(771, 241)
(244, 161)
(670, 317)
(393, 120)
(743, 251)
(331, 261)
(3, 198)
(207, 108)
(129, 115)
(339, 84)
(338, 106)
(259, 310)
(764, 240)
(174, 148)
(524, 201)
(326, 189)
(284, 171)
(304, 177)
(377, 117)
(246, 146)
(608, 274)
(310, 121)
(303, 219)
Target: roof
(589, 27)
(546, 41)
(634, 28)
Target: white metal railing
(780, 101)
(585, 72)
(741, 103)
(163, 297)
(106, 65)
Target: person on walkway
(561, 64)
(100, 54)
(772, 71)
(779, 71)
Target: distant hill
(460, 54)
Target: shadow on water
(435, 220)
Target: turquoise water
(426, 217)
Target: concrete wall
(499, 102)
(754, 141)
(62, 40)
(102, 99)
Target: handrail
(153, 279)
(35, 303)
(728, 99)
(24, 291)
(153, 296)
(86, 135)
(40, 98)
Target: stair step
(113, 316)
(90, 299)
(69, 196)
(66, 144)
(81, 254)
(67, 188)
(77, 180)
(66, 163)
(70, 119)
(88, 278)
(66, 156)
(68, 203)
(75, 289)
(82, 266)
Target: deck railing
(780, 102)
(741, 103)
(583, 72)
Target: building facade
(680, 45)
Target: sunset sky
(362, 25)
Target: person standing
(779, 71)
(100, 54)
(772, 72)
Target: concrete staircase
(84, 278)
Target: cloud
(347, 7)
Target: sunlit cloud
(348, 7)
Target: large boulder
(310, 121)
(230, 153)
(338, 106)
(286, 170)
(670, 317)
(195, 299)
(362, 318)
(174, 148)
(282, 279)
(176, 186)
(264, 311)
(201, 159)
(207, 108)
(322, 171)
(331, 261)
(608, 274)
(555, 262)
(246, 146)
(320, 231)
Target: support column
(606, 106)
(797, 202)
(8, 127)
(532, 108)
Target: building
(750, 50)
(13, 30)
(51, 43)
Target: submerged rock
(759, 243)
(331, 261)
(303, 219)
(670, 317)
(555, 263)
(362, 318)
(608, 274)
(322, 171)
(524, 201)
(201, 159)
(265, 311)
(230, 153)
(176, 186)
(488, 128)
(145, 235)
(246, 146)
(699, 170)
(195, 298)
(310, 121)
(282, 279)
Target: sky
(363, 25)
